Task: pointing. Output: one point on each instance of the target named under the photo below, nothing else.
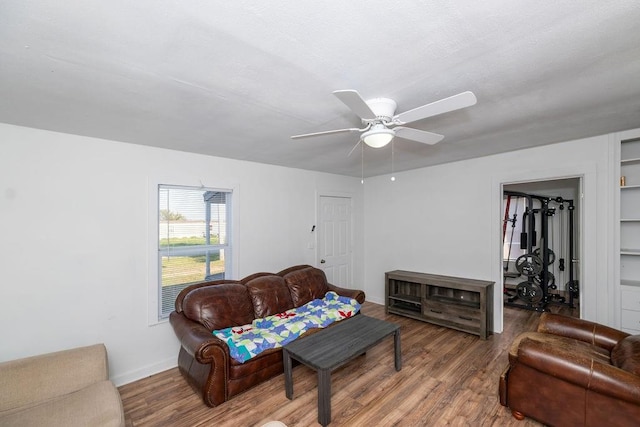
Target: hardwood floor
(447, 378)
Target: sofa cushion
(98, 404)
(306, 284)
(626, 354)
(269, 295)
(219, 306)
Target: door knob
(322, 261)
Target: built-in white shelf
(632, 283)
(629, 237)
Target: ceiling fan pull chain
(393, 178)
(362, 167)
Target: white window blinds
(193, 239)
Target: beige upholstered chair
(67, 388)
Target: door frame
(587, 230)
(576, 200)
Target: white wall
(85, 279)
(447, 219)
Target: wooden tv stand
(454, 302)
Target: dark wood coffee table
(331, 348)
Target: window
(193, 239)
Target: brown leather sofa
(571, 372)
(201, 308)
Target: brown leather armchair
(572, 372)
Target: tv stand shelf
(454, 302)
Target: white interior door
(334, 239)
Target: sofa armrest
(206, 349)
(31, 380)
(583, 371)
(197, 340)
(356, 294)
(579, 329)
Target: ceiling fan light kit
(378, 136)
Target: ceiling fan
(381, 124)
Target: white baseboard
(376, 300)
(138, 374)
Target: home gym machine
(539, 289)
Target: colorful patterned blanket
(275, 331)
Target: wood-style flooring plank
(447, 378)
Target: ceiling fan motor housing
(383, 107)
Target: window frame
(154, 309)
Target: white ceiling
(237, 79)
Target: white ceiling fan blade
(455, 102)
(327, 132)
(418, 135)
(353, 100)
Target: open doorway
(541, 241)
